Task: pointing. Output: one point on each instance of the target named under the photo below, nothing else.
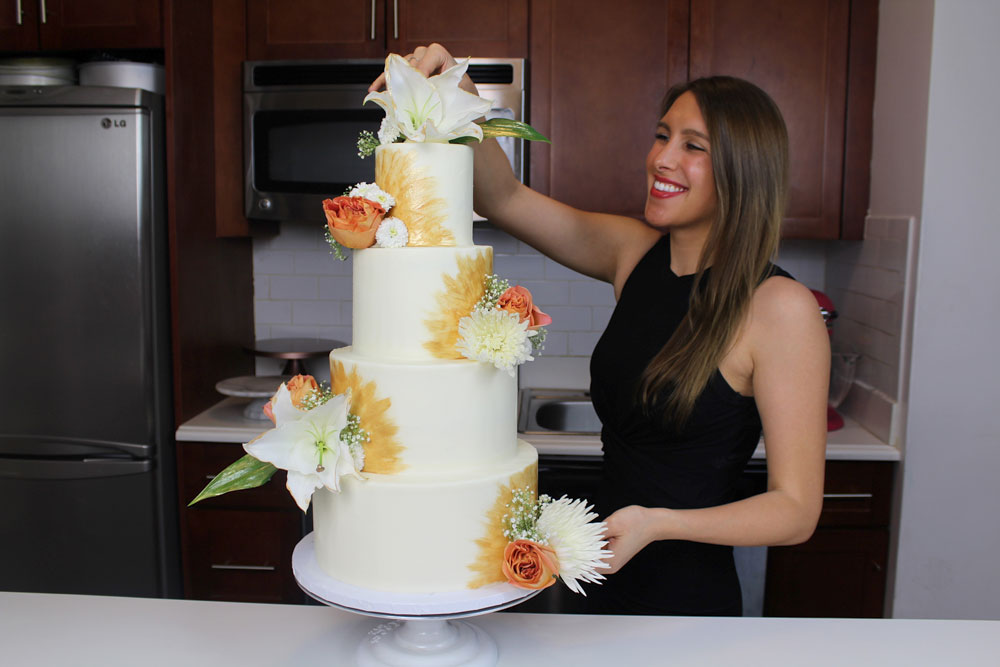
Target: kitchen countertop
(225, 422)
(47, 629)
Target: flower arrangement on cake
(317, 440)
(418, 109)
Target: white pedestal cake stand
(422, 629)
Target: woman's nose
(665, 156)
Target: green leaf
(505, 127)
(247, 473)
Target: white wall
(949, 531)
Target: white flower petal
(283, 409)
(570, 529)
(301, 487)
(283, 446)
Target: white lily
(307, 444)
(429, 108)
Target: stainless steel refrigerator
(87, 481)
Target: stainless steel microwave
(302, 119)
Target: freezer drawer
(65, 531)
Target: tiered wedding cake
(443, 456)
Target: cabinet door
(315, 29)
(18, 32)
(797, 52)
(478, 28)
(107, 24)
(838, 573)
(598, 73)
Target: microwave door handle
(395, 19)
(373, 19)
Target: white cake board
(424, 632)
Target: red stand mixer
(842, 367)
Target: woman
(708, 345)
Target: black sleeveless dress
(651, 465)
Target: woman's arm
(790, 351)
(602, 246)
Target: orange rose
(353, 221)
(527, 564)
(298, 387)
(517, 299)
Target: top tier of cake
(432, 184)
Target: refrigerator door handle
(48, 469)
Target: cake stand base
(427, 642)
(423, 629)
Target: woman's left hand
(628, 532)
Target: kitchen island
(43, 629)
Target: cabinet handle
(43, 10)
(18, 11)
(395, 19)
(844, 496)
(255, 568)
(373, 20)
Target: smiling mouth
(663, 189)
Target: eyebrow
(687, 131)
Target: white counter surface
(41, 629)
(224, 422)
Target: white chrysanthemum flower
(388, 132)
(374, 193)
(496, 337)
(569, 528)
(392, 233)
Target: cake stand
(417, 629)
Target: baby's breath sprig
(495, 287)
(521, 520)
(336, 249)
(367, 143)
(354, 437)
(537, 338)
(316, 397)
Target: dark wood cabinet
(59, 25)
(599, 105)
(290, 29)
(236, 547)
(841, 570)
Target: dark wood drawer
(199, 462)
(242, 556)
(857, 493)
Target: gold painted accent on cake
(491, 546)
(382, 451)
(417, 203)
(460, 294)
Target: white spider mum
(392, 233)
(374, 193)
(496, 337)
(569, 528)
(388, 132)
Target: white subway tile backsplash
(322, 262)
(336, 288)
(516, 268)
(556, 344)
(602, 315)
(267, 262)
(581, 344)
(546, 294)
(570, 318)
(315, 313)
(591, 293)
(273, 312)
(294, 287)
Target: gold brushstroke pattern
(488, 564)
(382, 452)
(460, 294)
(416, 202)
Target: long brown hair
(749, 151)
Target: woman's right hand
(429, 60)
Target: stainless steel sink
(564, 411)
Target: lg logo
(107, 123)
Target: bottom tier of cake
(426, 533)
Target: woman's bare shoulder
(781, 304)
